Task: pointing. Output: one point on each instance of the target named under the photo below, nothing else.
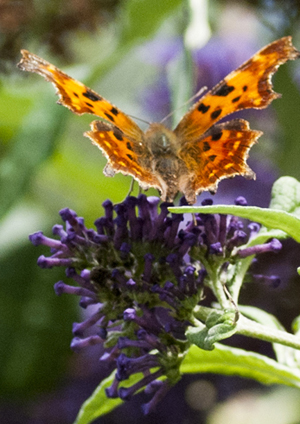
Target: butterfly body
(165, 163)
(199, 152)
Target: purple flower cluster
(142, 270)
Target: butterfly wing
(77, 97)
(249, 86)
(123, 155)
(220, 153)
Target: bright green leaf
(99, 404)
(282, 215)
(233, 361)
(270, 218)
(285, 195)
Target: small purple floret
(241, 201)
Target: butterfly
(199, 152)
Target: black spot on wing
(245, 88)
(129, 147)
(216, 113)
(118, 134)
(89, 104)
(223, 90)
(129, 156)
(114, 111)
(236, 99)
(203, 108)
(110, 117)
(206, 146)
(75, 94)
(212, 157)
(217, 136)
(92, 96)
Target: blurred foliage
(51, 23)
(34, 326)
(46, 164)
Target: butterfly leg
(194, 219)
(131, 187)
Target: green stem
(216, 284)
(251, 328)
(241, 268)
(243, 265)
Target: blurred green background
(148, 58)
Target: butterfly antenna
(202, 89)
(140, 119)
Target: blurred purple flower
(212, 63)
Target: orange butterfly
(198, 153)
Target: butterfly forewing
(77, 97)
(247, 87)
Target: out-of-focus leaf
(35, 325)
(288, 111)
(139, 19)
(12, 108)
(33, 145)
(142, 18)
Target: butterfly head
(160, 140)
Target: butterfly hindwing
(123, 155)
(220, 153)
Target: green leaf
(270, 218)
(219, 326)
(99, 404)
(286, 195)
(283, 214)
(233, 361)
